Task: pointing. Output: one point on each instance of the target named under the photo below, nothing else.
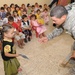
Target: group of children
(25, 20)
(17, 23)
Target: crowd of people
(25, 19)
(19, 22)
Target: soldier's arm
(55, 32)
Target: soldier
(63, 18)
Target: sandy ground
(44, 59)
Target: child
(17, 18)
(5, 7)
(45, 15)
(2, 12)
(28, 9)
(5, 20)
(17, 8)
(12, 7)
(40, 29)
(23, 7)
(39, 17)
(40, 7)
(9, 9)
(19, 36)
(36, 7)
(11, 64)
(46, 7)
(33, 8)
(26, 28)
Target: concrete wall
(19, 2)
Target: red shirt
(15, 25)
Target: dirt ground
(44, 59)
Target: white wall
(19, 2)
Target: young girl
(39, 17)
(46, 7)
(17, 8)
(17, 18)
(45, 15)
(29, 9)
(12, 7)
(11, 64)
(40, 29)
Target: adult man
(64, 18)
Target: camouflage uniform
(68, 25)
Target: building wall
(19, 2)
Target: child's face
(9, 9)
(15, 13)
(38, 12)
(10, 22)
(33, 18)
(45, 11)
(10, 34)
(2, 10)
(13, 6)
(6, 6)
(25, 19)
(17, 8)
(29, 7)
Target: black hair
(40, 6)
(38, 10)
(2, 8)
(10, 18)
(11, 4)
(45, 9)
(4, 5)
(33, 15)
(8, 8)
(17, 7)
(24, 16)
(58, 11)
(8, 14)
(28, 5)
(16, 12)
(33, 6)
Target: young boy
(2, 13)
(26, 28)
(19, 36)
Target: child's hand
(43, 40)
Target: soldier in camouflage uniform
(63, 18)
